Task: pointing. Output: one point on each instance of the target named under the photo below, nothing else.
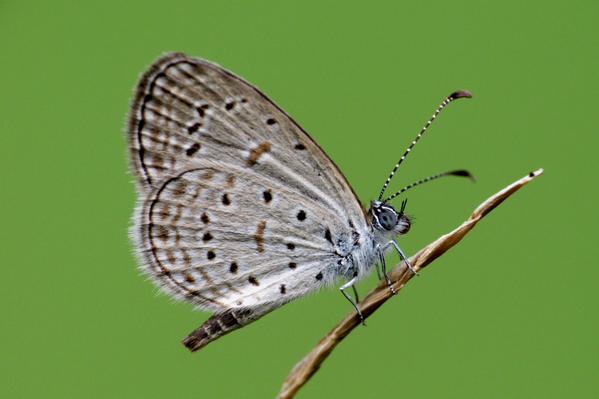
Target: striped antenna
(461, 172)
(450, 98)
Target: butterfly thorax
(359, 251)
(385, 223)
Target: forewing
(224, 176)
(187, 109)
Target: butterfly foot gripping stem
(390, 285)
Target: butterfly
(239, 210)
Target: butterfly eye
(388, 219)
(384, 216)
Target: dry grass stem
(306, 368)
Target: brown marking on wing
(178, 212)
(195, 195)
(208, 175)
(163, 272)
(259, 236)
(230, 181)
(186, 258)
(199, 269)
(231, 287)
(257, 152)
(180, 189)
(161, 269)
(209, 282)
(157, 160)
(165, 212)
(170, 255)
(162, 233)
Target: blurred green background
(511, 312)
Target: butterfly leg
(354, 303)
(383, 264)
(355, 293)
(378, 270)
(403, 256)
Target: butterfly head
(387, 219)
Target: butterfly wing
(240, 208)
(223, 236)
(187, 109)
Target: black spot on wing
(233, 267)
(267, 196)
(327, 235)
(194, 128)
(226, 200)
(301, 215)
(202, 110)
(193, 149)
(205, 218)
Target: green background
(511, 312)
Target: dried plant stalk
(306, 368)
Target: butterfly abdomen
(223, 323)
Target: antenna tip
(463, 173)
(460, 94)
